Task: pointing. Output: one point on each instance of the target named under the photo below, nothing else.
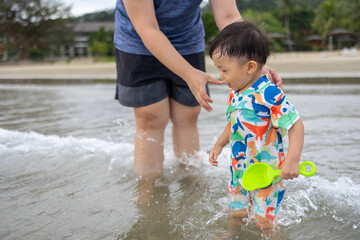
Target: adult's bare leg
(151, 122)
(184, 131)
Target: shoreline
(294, 67)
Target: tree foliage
(301, 18)
(256, 5)
(351, 19)
(333, 14)
(269, 24)
(325, 18)
(299, 15)
(210, 26)
(101, 42)
(265, 20)
(33, 28)
(101, 16)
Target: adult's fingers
(204, 104)
(275, 78)
(214, 81)
(203, 98)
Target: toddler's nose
(221, 76)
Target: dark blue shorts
(142, 80)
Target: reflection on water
(66, 169)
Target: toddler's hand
(213, 155)
(290, 169)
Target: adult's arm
(142, 16)
(226, 12)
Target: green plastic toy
(260, 175)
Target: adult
(160, 66)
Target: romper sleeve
(230, 107)
(283, 113)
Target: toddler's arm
(290, 168)
(219, 145)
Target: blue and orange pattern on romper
(259, 119)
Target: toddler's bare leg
(268, 227)
(237, 219)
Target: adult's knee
(147, 120)
(185, 118)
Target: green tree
(296, 17)
(349, 16)
(332, 14)
(101, 42)
(325, 18)
(265, 20)
(210, 26)
(301, 16)
(257, 5)
(33, 28)
(101, 16)
(269, 24)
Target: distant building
(80, 48)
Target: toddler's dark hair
(242, 39)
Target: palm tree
(325, 19)
(287, 24)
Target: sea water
(66, 169)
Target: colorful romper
(259, 119)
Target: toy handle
(276, 173)
(303, 170)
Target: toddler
(258, 117)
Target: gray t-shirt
(179, 20)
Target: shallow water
(66, 155)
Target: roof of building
(88, 27)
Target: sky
(80, 7)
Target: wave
(318, 197)
(18, 146)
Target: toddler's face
(233, 71)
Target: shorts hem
(195, 104)
(126, 104)
(130, 97)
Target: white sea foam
(19, 146)
(315, 197)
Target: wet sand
(290, 66)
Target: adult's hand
(196, 81)
(273, 76)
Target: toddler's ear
(251, 67)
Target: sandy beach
(295, 66)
